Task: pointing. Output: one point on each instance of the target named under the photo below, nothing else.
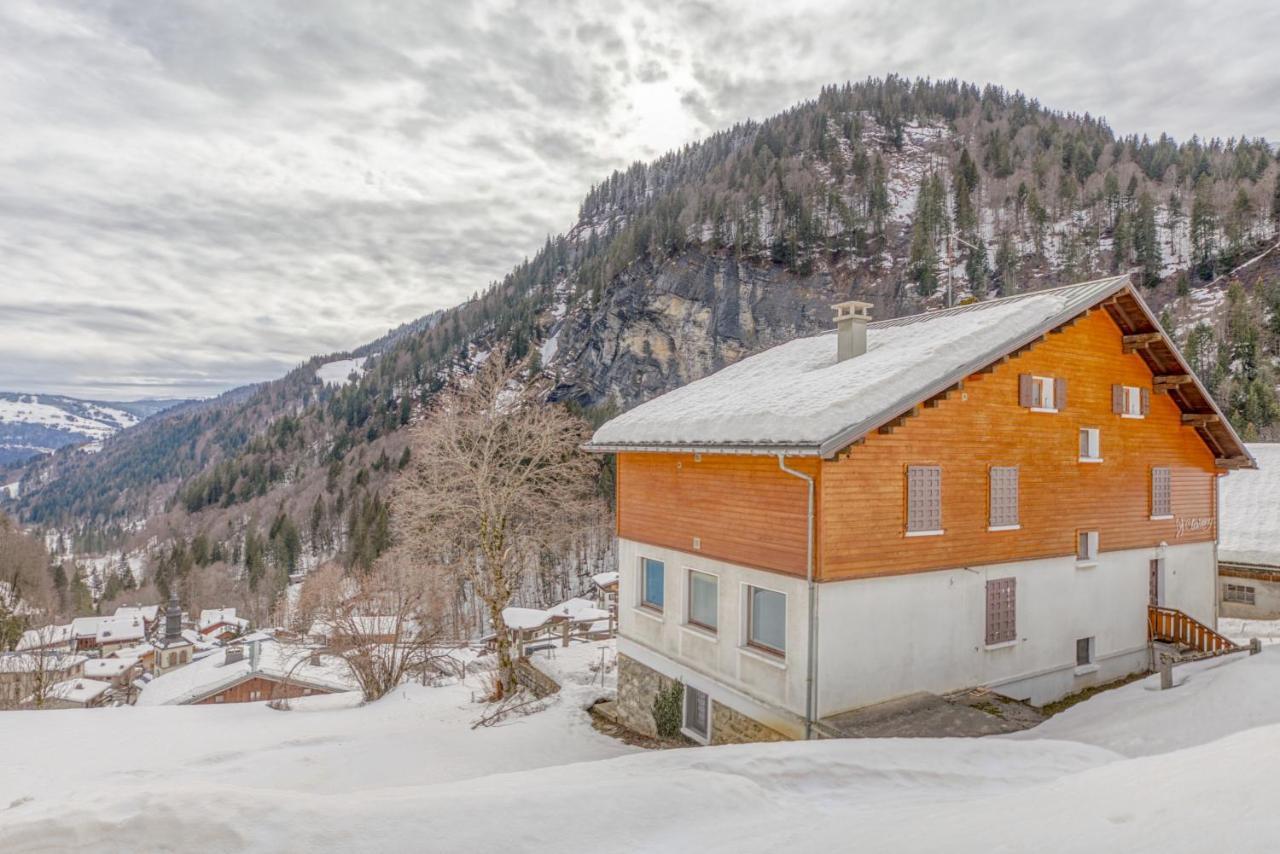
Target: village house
(78, 693)
(21, 673)
(221, 624)
(117, 672)
(259, 670)
(1249, 546)
(994, 495)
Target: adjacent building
(255, 671)
(988, 495)
(1249, 549)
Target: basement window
(1240, 593)
(697, 714)
(1002, 611)
(1085, 663)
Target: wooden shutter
(1002, 610)
(924, 498)
(1146, 401)
(1161, 492)
(1025, 393)
(1117, 399)
(1059, 393)
(1003, 510)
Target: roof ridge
(969, 306)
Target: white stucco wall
(723, 656)
(882, 638)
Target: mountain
(906, 194)
(35, 424)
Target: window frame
(1239, 594)
(1090, 541)
(688, 610)
(1044, 388)
(1090, 444)
(1131, 402)
(748, 624)
(999, 522)
(643, 591)
(1166, 504)
(702, 736)
(1090, 665)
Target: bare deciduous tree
(496, 478)
(383, 624)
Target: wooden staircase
(1173, 626)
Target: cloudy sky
(195, 195)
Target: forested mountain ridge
(905, 194)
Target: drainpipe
(811, 658)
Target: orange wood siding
(863, 524)
(744, 509)
(268, 689)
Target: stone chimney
(851, 328)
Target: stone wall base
(638, 685)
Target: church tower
(172, 649)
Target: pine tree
(1204, 230)
(1146, 241)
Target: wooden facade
(745, 510)
(259, 689)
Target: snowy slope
(1131, 770)
(339, 372)
(33, 424)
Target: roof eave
(743, 449)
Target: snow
(149, 613)
(28, 409)
(210, 674)
(78, 690)
(11, 489)
(211, 617)
(118, 629)
(107, 668)
(604, 579)
(1134, 769)
(339, 372)
(1250, 526)
(798, 394)
(524, 618)
(50, 636)
(1242, 631)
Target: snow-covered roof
(578, 609)
(213, 617)
(212, 673)
(87, 627)
(524, 618)
(1250, 514)
(137, 651)
(147, 612)
(20, 662)
(121, 629)
(45, 637)
(78, 690)
(798, 398)
(107, 668)
(604, 579)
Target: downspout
(811, 658)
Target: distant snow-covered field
(1135, 769)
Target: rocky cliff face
(663, 326)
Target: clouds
(195, 195)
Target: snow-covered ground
(1135, 769)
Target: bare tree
(384, 623)
(496, 480)
(42, 662)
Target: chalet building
(1249, 547)
(995, 494)
(255, 671)
(221, 624)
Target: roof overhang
(1125, 307)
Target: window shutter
(1059, 393)
(1117, 399)
(1001, 610)
(1146, 401)
(1024, 389)
(924, 498)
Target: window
(255, 695)
(1090, 445)
(1087, 546)
(1003, 513)
(704, 592)
(219, 699)
(1130, 401)
(1241, 593)
(767, 620)
(652, 574)
(1084, 652)
(1002, 624)
(924, 500)
(697, 713)
(1161, 493)
(1042, 394)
